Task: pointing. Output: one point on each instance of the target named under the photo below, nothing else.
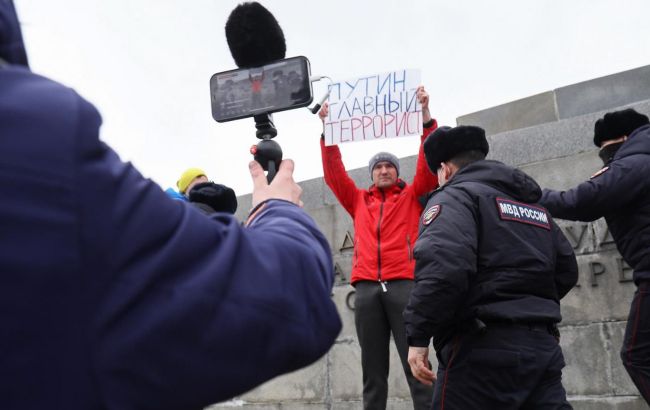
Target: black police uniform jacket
(621, 193)
(486, 251)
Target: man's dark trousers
(636, 345)
(377, 314)
(505, 367)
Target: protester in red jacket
(385, 229)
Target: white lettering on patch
(510, 210)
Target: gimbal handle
(267, 152)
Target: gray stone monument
(549, 136)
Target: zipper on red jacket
(381, 215)
(408, 245)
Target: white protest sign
(374, 107)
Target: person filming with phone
(113, 295)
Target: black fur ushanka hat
(617, 124)
(446, 142)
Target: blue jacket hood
(12, 48)
(637, 143)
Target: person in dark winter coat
(620, 192)
(490, 269)
(114, 296)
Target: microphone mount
(319, 104)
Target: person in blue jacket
(620, 192)
(114, 296)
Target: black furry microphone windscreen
(254, 36)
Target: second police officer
(620, 192)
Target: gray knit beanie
(383, 156)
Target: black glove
(216, 197)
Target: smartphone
(245, 92)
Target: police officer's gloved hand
(211, 197)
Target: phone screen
(277, 86)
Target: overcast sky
(146, 65)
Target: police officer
(621, 193)
(490, 270)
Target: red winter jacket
(385, 221)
